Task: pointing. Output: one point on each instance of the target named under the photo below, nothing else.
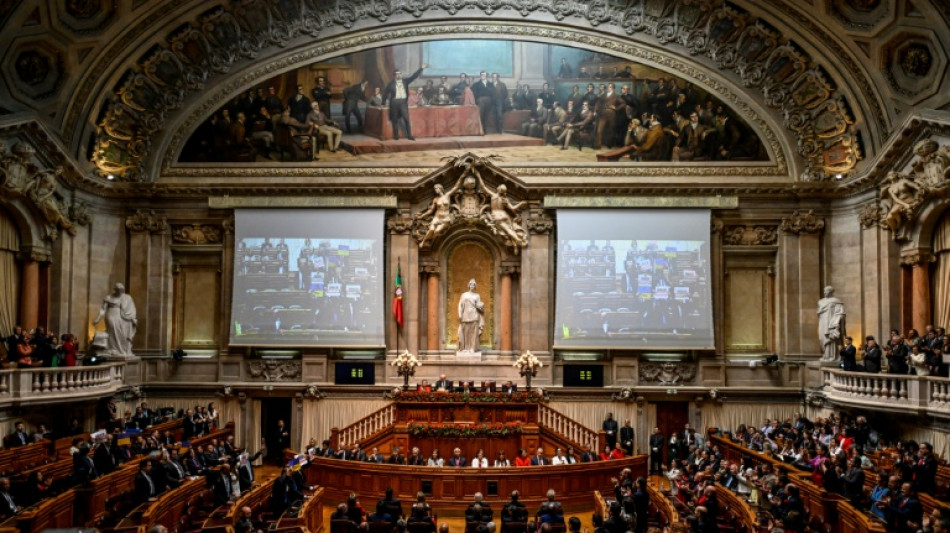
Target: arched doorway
(9, 273)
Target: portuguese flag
(397, 297)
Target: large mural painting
(528, 102)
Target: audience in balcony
(910, 353)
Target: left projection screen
(308, 277)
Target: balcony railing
(27, 385)
(889, 391)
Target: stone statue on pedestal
(121, 322)
(471, 320)
(830, 324)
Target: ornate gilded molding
(667, 373)
(750, 235)
(802, 222)
(730, 37)
(196, 234)
(274, 370)
(146, 220)
(917, 258)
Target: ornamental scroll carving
(196, 234)
(750, 235)
(208, 46)
(274, 370)
(802, 223)
(21, 178)
(145, 220)
(903, 194)
(471, 201)
(667, 373)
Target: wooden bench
(309, 516)
(14, 460)
(227, 516)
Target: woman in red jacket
(70, 349)
(522, 459)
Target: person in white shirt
(436, 460)
(674, 474)
(559, 457)
(480, 461)
(501, 460)
(745, 486)
(570, 457)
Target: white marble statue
(830, 324)
(471, 319)
(121, 322)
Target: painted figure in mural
(471, 318)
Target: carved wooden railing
(28, 384)
(364, 428)
(668, 517)
(556, 422)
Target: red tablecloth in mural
(434, 121)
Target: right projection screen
(633, 278)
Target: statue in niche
(830, 324)
(45, 194)
(903, 194)
(471, 319)
(441, 211)
(503, 217)
(118, 309)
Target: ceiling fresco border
(635, 17)
(778, 166)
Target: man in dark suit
(375, 457)
(105, 455)
(904, 512)
(145, 488)
(396, 95)
(19, 436)
(416, 458)
(396, 458)
(610, 427)
(189, 427)
(284, 493)
(321, 95)
(499, 100)
(587, 456)
(641, 504)
(245, 471)
(13, 341)
(443, 384)
(326, 450)
(539, 459)
(7, 506)
(925, 469)
(626, 437)
(84, 469)
(872, 356)
(848, 354)
(509, 388)
(352, 96)
(221, 485)
(484, 97)
(656, 451)
(457, 459)
(389, 506)
(299, 105)
(281, 438)
(174, 472)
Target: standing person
(610, 427)
(627, 437)
(499, 100)
(352, 96)
(656, 451)
(299, 105)
(872, 356)
(484, 96)
(396, 95)
(848, 355)
(321, 95)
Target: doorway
(272, 411)
(671, 417)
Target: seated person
(424, 387)
(389, 506)
(342, 514)
(7, 506)
(354, 510)
(465, 387)
(421, 521)
(475, 515)
(421, 504)
(443, 384)
(549, 514)
(485, 508)
(509, 388)
(514, 510)
(375, 457)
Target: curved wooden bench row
(309, 516)
(227, 516)
(13, 460)
(668, 516)
(831, 509)
(453, 488)
(51, 513)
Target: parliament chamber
(527, 266)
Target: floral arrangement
(406, 362)
(418, 429)
(472, 397)
(527, 364)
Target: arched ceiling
(120, 81)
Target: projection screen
(633, 278)
(308, 277)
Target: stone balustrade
(894, 392)
(38, 385)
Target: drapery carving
(21, 178)
(903, 194)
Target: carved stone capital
(539, 223)
(38, 255)
(917, 258)
(400, 223)
(510, 270)
(750, 235)
(196, 234)
(802, 223)
(227, 226)
(146, 220)
(430, 269)
(869, 215)
(715, 226)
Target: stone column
(799, 283)
(506, 305)
(147, 278)
(30, 292)
(918, 261)
(432, 307)
(402, 254)
(534, 317)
